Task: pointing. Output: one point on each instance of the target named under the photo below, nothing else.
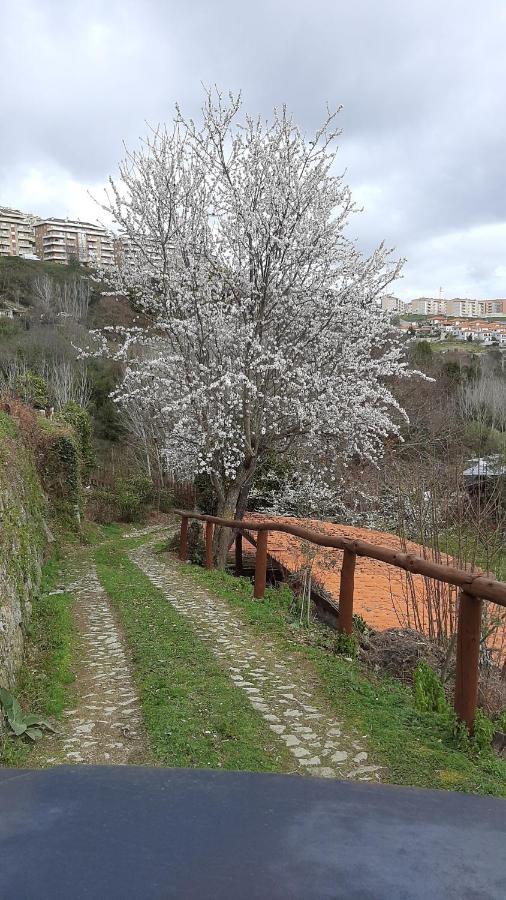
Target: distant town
(481, 322)
(55, 240)
(62, 240)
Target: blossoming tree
(265, 335)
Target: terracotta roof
(381, 591)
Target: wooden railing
(474, 588)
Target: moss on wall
(23, 537)
(41, 465)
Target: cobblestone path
(277, 689)
(104, 726)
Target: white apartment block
(62, 240)
(17, 236)
(468, 309)
(475, 308)
(427, 306)
(393, 304)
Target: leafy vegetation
(44, 682)
(416, 747)
(22, 724)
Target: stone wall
(23, 537)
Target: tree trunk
(231, 505)
(223, 537)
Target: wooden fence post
(238, 554)
(468, 657)
(183, 539)
(345, 619)
(209, 545)
(261, 565)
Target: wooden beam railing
(474, 588)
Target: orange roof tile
(382, 593)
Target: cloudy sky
(421, 82)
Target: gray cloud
(421, 84)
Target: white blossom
(264, 332)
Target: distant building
(62, 240)
(481, 330)
(473, 308)
(427, 306)
(393, 304)
(17, 236)
(461, 308)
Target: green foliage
(346, 645)
(483, 440)
(430, 697)
(80, 421)
(416, 748)
(133, 496)
(17, 277)
(452, 372)
(206, 498)
(46, 674)
(166, 500)
(32, 389)
(422, 352)
(359, 624)
(20, 723)
(125, 500)
(196, 546)
(59, 466)
(104, 375)
(8, 427)
(500, 723)
(428, 690)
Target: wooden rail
(474, 588)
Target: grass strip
(45, 679)
(416, 748)
(193, 713)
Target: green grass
(44, 682)
(415, 748)
(194, 715)
(485, 550)
(466, 346)
(8, 427)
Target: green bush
(196, 546)
(428, 690)
(79, 419)
(346, 645)
(205, 495)
(430, 698)
(134, 497)
(166, 500)
(32, 389)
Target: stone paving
(277, 689)
(104, 726)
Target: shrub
(32, 389)
(428, 689)
(166, 500)
(80, 421)
(205, 495)
(346, 645)
(196, 546)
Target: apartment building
(428, 306)
(393, 304)
(62, 240)
(17, 236)
(475, 308)
(460, 308)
